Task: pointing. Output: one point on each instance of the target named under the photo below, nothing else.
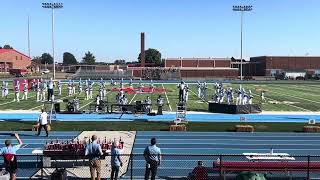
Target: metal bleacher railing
(97, 75)
(174, 167)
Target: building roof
(13, 50)
(210, 58)
(286, 57)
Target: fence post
(220, 163)
(308, 170)
(131, 164)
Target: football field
(280, 97)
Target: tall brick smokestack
(143, 61)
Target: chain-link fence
(197, 167)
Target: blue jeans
(151, 167)
(114, 172)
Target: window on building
(20, 57)
(16, 57)
(317, 72)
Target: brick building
(271, 65)
(203, 67)
(13, 59)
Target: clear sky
(110, 29)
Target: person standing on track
(43, 122)
(9, 156)
(152, 155)
(115, 161)
(94, 152)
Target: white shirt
(50, 86)
(43, 118)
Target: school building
(13, 59)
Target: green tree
(120, 61)
(0, 47)
(7, 47)
(89, 58)
(46, 58)
(69, 58)
(151, 56)
(37, 59)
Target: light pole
(53, 6)
(241, 9)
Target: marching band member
(73, 87)
(38, 88)
(87, 91)
(6, 90)
(69, 89)
(59, 88)
(43, 91)
(112, 82)
(239, 96)
(204, 91)
(33, 85)
(229, 95)
(118, 98)
(98, 99)
(101, 91)
(121, 83)
(244, 97)
(2, 88)
(263, 99)
(80, 86)
(186, 92)
(90, 89)
(199, 89)
(250, 96)
(25, 90)
(148, 104)
(50, 87)
(17, 92)
(123, 100)
(221, 95)
(181, 87)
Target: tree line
(152, 56)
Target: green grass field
(280, 97)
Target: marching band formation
(221, 94)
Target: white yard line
(133, 98)
(91, 102)
(295, 97)
(165, 93)
(15, 101)
(198, 97)
(299, 89)
(42, 104)
(86, 104)
(287, 104)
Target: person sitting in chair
(199, 172)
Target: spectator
(152, 155)
(94, 151)
(9, 155)
(43, 122)
(200, 172)
(115, 161)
